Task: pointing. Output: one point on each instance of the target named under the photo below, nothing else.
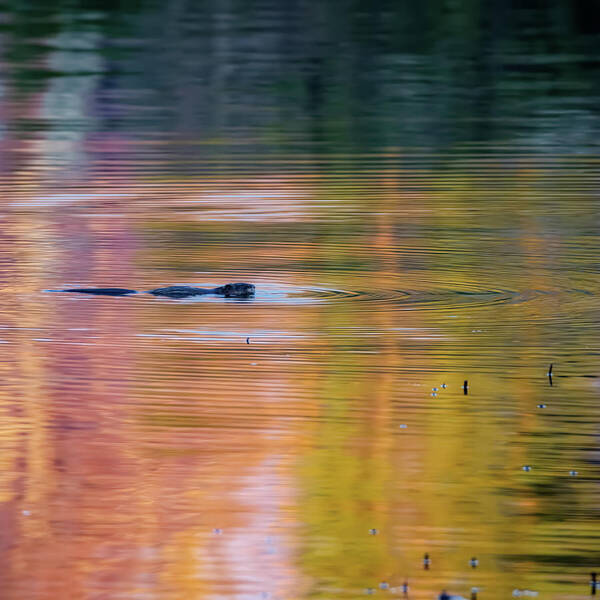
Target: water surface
(414, 210)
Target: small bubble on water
(526, 467)
(26, 512)
(573, 473)
(541, 405)
(384, 585)
(434, 395)
(217, 531)
(434, 389)
(403, 425)
(443, 386)
(373, 531)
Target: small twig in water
(247, 340)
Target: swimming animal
(229, 290)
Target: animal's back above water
(230, 290)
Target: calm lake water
(414, 192)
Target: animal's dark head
(236, 290)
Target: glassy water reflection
(415, 211)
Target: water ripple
(424, 299)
